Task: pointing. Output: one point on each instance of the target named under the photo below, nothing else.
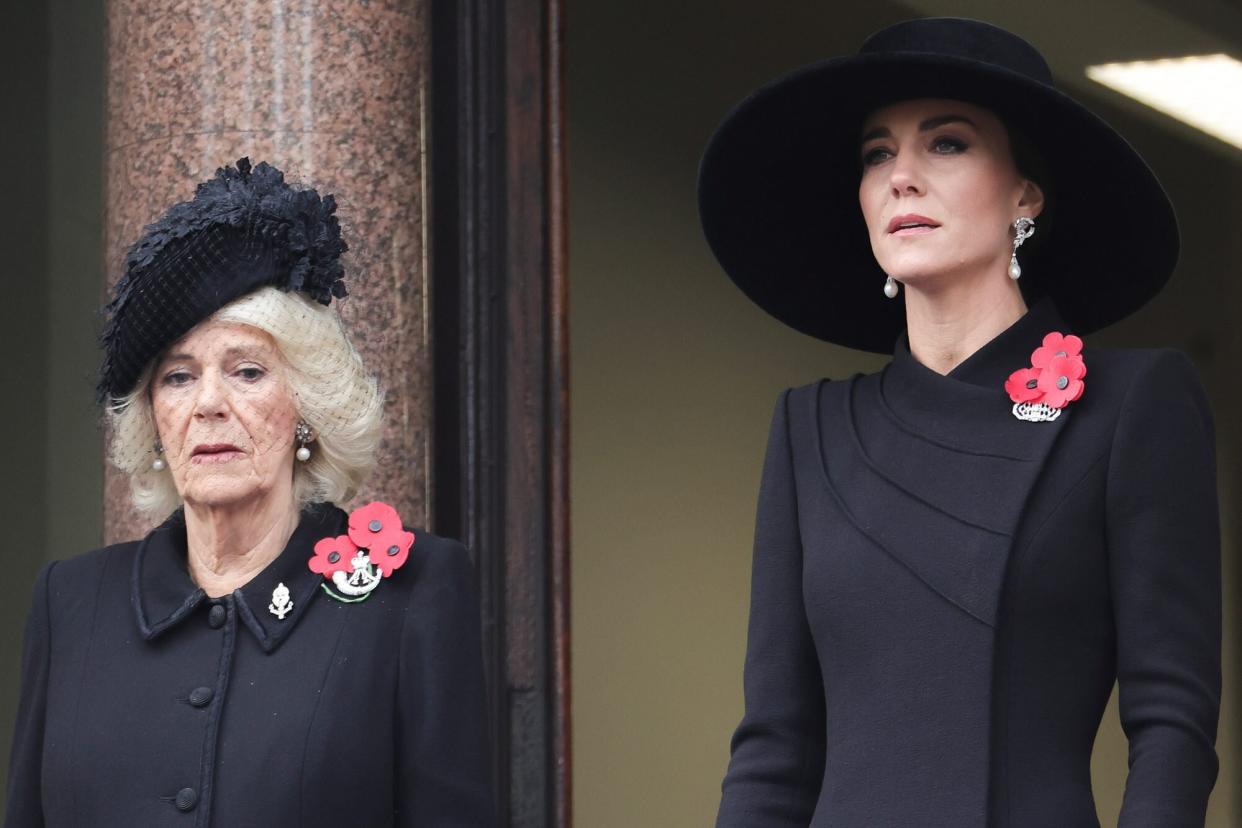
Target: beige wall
(675, 374)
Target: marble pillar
(333, 93)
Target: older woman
(260, 658)
(957, 556)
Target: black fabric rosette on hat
(778, 185)
(244, 229)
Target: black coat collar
(163, 594)
(935, 469)
(992, 364)
(969, 407)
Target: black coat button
(201, 696)
(187, 798)
(217, 615)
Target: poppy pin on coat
(1054, 380)
(355, 563)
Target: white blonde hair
(331, 389)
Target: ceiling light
(1204, 91)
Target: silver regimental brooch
(358, 583)
(354, 564)
(281, 602)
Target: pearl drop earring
(158, 463)
(1023, 229)
(890, 288)
(304, 435)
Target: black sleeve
(443, 768)
(777, 763)
(25, 787)
(1164, 550)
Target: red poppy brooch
(376, 546)
(1053, 381)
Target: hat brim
(778, 199)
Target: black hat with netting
(244, 229)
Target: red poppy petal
(372, 520)
(321, 562)
(391, 558)
(1016, 385)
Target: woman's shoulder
(1142, 374)
(436, 563)
(86, 568)
(78, 579)
(438, 556)
(438, 591)
(1154, 393)
(1131, 362)
(799, 402)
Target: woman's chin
(221, 491)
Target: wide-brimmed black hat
(245, 228)
(778, 185)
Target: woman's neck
(228, 545)
(947, 325)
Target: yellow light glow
(1204, 91)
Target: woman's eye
(948, 146)
(875, 156)
(250, 373)
(176, 378)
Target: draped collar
(164, 595)
(935, 469)
(990, 365)
(969, 407)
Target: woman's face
(224, 414)
(940, 191)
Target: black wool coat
(943, 596)
(146, 703)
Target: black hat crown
(245, 228)
(960, 38)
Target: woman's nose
(905, 178)
(211, 399)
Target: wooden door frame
(500, 343)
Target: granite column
(334, 94)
